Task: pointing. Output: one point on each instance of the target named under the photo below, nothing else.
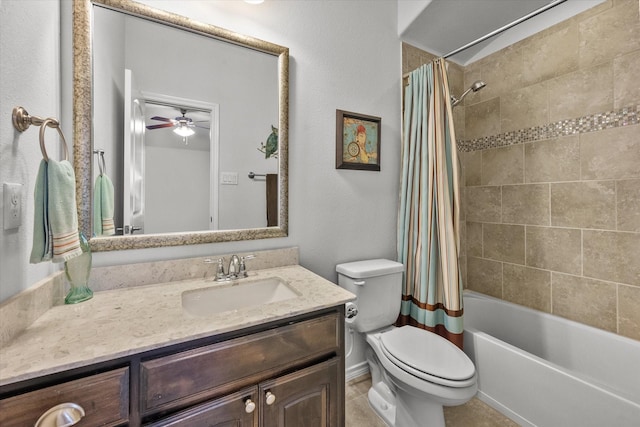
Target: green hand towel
(55, 234)
(103, 207)
(42, 249)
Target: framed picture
(357, 141)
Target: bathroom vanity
(136, 357)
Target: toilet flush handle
(358, 282)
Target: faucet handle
(243, 266)
(220, 275)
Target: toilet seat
(428, 356)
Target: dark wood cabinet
(235, 410)
(288, 373)
(103, 397)
(309, 397)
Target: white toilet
(414, 373)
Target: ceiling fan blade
(164, 125)
(201, 127)
(162, 119)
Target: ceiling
(442, 26)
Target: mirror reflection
(166, 177)
(186, 116)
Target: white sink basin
(219, 299)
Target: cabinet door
(233, 410)
(308, 398)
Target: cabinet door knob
(270, 398)
(63, 415)
(249, 406)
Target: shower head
(476, 86)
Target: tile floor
(472, 414)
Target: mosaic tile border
(594, 122)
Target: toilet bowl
(414, 372)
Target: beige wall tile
(628, 312)
(626, 88)
(614, 256)
(503, 165)
(503, 242)
(587, 204)
(525, 204)
(502, 71)
(524, 108)
(552, 160)
(458, 123)
(455, 73)
(482, 119)
(527, 286)
(474, 239)
(600, 42)
(552, 55)
(414, 57)
(588, 301)
(473, 168)
(483, 204)
(556, 249)
(484, 276)
(581, 93)
(611, 153)
(628, 199)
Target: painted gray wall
(344, 55)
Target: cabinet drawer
(223, 367)
(230, 410)
(104, 398)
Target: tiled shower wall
(551, 156)
(553, 213)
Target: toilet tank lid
(369, 268)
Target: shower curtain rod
(501, 29)
(506, 27)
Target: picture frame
(357, 141)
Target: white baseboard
(355, 371)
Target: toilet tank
(377, 284)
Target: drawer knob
(249, 406)
(63, 415)
(269, 398)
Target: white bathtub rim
(583, 378)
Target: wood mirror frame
(83, 118)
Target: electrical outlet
(12, 205)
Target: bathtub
(543, 370)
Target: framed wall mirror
(187, 120)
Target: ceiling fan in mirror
(182, 125)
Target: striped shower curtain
(428, 221)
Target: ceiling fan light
(184, 131)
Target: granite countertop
(122, 322)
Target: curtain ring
(53, 123)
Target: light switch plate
(12, 205)
(229, 178)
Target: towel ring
(102, 165)
(52, 123)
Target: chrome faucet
(237, 267)
(234, 267)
